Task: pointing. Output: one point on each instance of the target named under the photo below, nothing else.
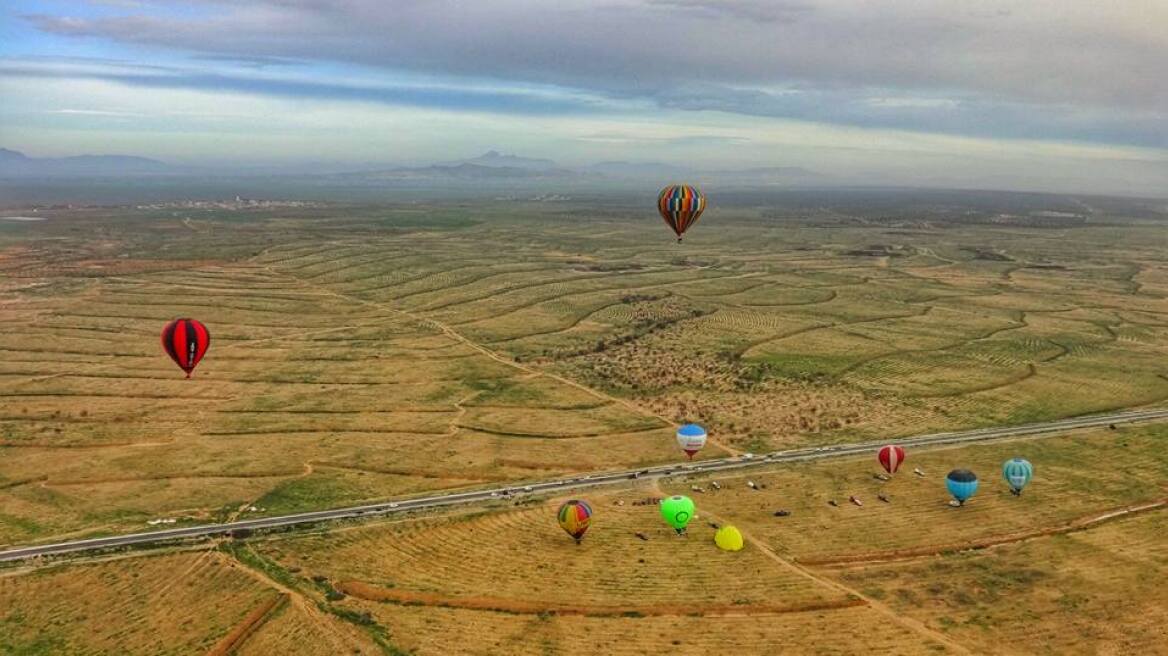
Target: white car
(527, 488)
(393, 505)
(748, 456)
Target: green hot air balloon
(677, 511)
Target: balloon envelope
(1018, 473)
(691, 438)
(574, 517)
(680, 206)
(890, 457)
(728, 538)
(961, 483)
(186, 342)
(677, 511)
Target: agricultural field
(367, 352)
(1070, 567)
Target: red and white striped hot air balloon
(890, 457)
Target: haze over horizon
(1058, 96)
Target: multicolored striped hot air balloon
(961, 483)
(680, 206)
(691, 438)
(890, 457)
(186, 342)
(1018, 472)
(575, 516)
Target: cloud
(768, 11)
(1044, 69)
(95, 112)
(502, 100)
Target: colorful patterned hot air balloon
(677, 511)
(680, 206)
(961, 483)
(186, 342)
(890, 457)
(1018, 473)
(691, 438)
(728, 538)
(575, 516)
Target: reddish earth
(254, 620)
(526, 607)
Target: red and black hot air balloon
(890, 457)
(681, 206)
(186, 342)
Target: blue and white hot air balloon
(1018, 473)
(691, 438)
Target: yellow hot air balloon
(728, 539)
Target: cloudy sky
(1042, 94)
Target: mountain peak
(494, 158)
(12, 155)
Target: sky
(1064, 95)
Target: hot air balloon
(961, 483)
(186, 342)
(728, 538)
(691, 438)
(574, 518)
(680, 206)
(890, 457)
(1018, 473)
(677, 511)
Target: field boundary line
(1078, 524)
(450, 332)
(251, 623)
(909, 623)
(297, 598)
(370, 592)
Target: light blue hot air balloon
(961, 483)
(1018, 473)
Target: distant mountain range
(497, 167)
(17, 164)
(490, 168)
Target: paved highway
(581, 482)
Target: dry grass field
(366, 352)
(1071, 566)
